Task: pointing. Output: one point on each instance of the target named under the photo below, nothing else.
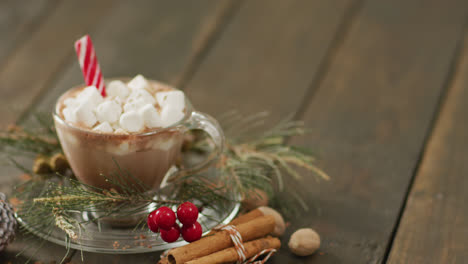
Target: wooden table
(383, 85)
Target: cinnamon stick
(163, 261)
(244, 218)
(236, 221)
(260, 211)
(247, 217)
(229, 255)
(251, 230)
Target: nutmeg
(41, 165)
(59, 163)
(254, 198)
(304, 242)
(280, 225)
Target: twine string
(164, 254)
(237, 241)
(269, 253)
(240, 249)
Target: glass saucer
(102, 237)
(107, 239)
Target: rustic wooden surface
(380, 83)
(435, 217)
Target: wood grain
(369, 119)
(267, 57)
(434, 227)
(309, 27)
(35, 250)
(29, 69)
(369, 114)
(18, 19)
(155, 38)
(268, 62)
(27, 72)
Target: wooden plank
(310, 27)
(18, 20)
(269, 63)
(267, 57)
(155, 38)
(35, 250)
(29, 69)
(434, 227)
(369, 119)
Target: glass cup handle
(208, 124)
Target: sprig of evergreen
(255, 157)
(258, 157)
(21, 141)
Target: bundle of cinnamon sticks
(217, 246)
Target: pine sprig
(62, 197)
(20, 141)
(258, 157)
(261, 159)
(255, 157)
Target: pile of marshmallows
(127, 108)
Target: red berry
(187, 213)
(151, 221)
(165, 218)
(172, 234)
(192, 232)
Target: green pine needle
(254, 158)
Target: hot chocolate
(138, 127)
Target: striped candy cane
(89, 64)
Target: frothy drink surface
(131, 127)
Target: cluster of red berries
(163, 220)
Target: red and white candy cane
(89, 64)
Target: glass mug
(95, 157)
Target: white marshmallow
(174, 99)
(170, 116)
(84, 114)
(142, 94)
(138, 82)
(131, 121)
(71, 102)
(118, 100)
(108, 111)
(120, 131)
(150, 116)
(103, 127)
(136, 100)
(134, 104)
(116, 125)
(69, 114)
(91, 96)
(118, 89)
